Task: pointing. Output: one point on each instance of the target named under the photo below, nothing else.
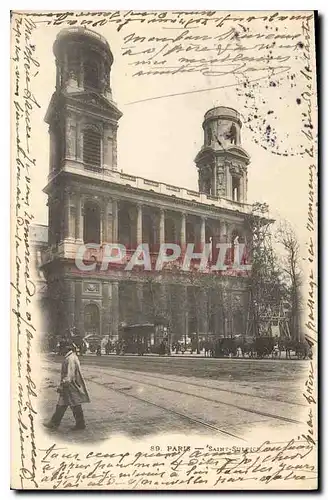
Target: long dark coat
(73, 388)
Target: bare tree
(265, 285)
(290, 262)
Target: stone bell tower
(222, 162)
(82, 116)
(83, 121)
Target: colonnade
(79, 214)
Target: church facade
(93, 204)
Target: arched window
(207, 185)
(91, 229)
(92, 147)
(91, 74)
(235, 188)
(206, 179)
(209, 136)
(233, 134)
(91, 320)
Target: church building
(92, 200)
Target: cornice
(136, 195)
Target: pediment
(88, 101)
(94, 100)
(239, 151)
(205, 153)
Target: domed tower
(82, 116)
(222, 162)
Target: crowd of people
(217, 347)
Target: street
(144, 396)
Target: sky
(159, 137)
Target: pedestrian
(72, 390)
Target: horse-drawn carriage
(256, 347)
(143, 338)
(74, 336)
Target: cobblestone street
(145, 396)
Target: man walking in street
(72, 390)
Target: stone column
(183, 231)
(69, 216)
(161, 226)
(79, 320)
(224, 232)
(139, 288)
(66, 209)
(114, 146)
(214, 192)
(241, 189)
(105, 210)
(72, 220)
(70, 303)
(65, 70)
(52, 149)
(203, 232)
(50, 221)
(115, 221)
(228, 316)
(109, 209)
(163, 297)
(155, 229)
(139, 224)
(78, 218)
(106, 306)
(229, 184)
(79, 141)
(115, 309)
(108, 147)
(203, 307)
(81, 76)
(185, 314)
(70, 137)
(244, 181)
(101, 223)
(215, 240)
